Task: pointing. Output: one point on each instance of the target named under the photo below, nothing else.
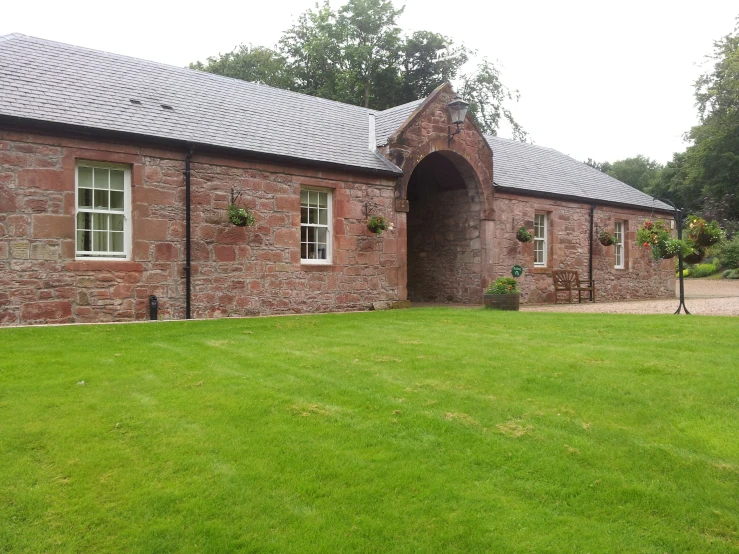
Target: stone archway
(444, 249)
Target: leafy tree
(257, 64)
(313, 48)
(487, 96)
(359, 55)
(671, 183)
(600, 166)
(429, 59)
(371, 47)
(640, 172)
(712, 161)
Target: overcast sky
(601, 80)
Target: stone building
(116, 175)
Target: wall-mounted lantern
(457, 111)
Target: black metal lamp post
(679, 223)
(457, 111)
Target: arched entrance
(444, 243)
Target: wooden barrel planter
(502, 301)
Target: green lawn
(427, 430)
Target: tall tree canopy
(712, 161)
(640, 172)
(705, 178)
(359, 55)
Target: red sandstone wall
(236, 271)
(569, 226)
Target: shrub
(715, 261)
(726, 273)
(729, 254)
(703, 270)
(686, 273)
(503, 285)
(734, 274)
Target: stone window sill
(318, 267)
(104, 265)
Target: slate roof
(519, 166)
(388, 121)
(53, 82)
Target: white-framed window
(315, 226)
(618, 246)
(540, 240)
(103, 214)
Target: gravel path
(702, 297)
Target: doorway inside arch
(444, 247)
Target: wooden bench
(567, 280)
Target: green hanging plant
(523, 235)
(241, 217)
(378, 224)
(606, 238)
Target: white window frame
(329, 227)
(541, 241)
(618, 246)
(91, 255)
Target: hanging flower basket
(241, 217)
(674, 246)
(522, 235)
(654, 236)
(703, 233)
(378, 224)
(696, 256)
(606, 238)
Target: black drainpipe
(590, 260)
(187, 233)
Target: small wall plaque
(20, 250)
(516, 271)
(401, 205)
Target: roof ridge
(10, 36)
(185, 70)
(399, 106)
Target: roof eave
(81, 131)
(580, 199)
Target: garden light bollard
(153, 308)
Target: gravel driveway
(702, 297)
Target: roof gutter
(188, 257)
(590, 256)
(77, 131)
